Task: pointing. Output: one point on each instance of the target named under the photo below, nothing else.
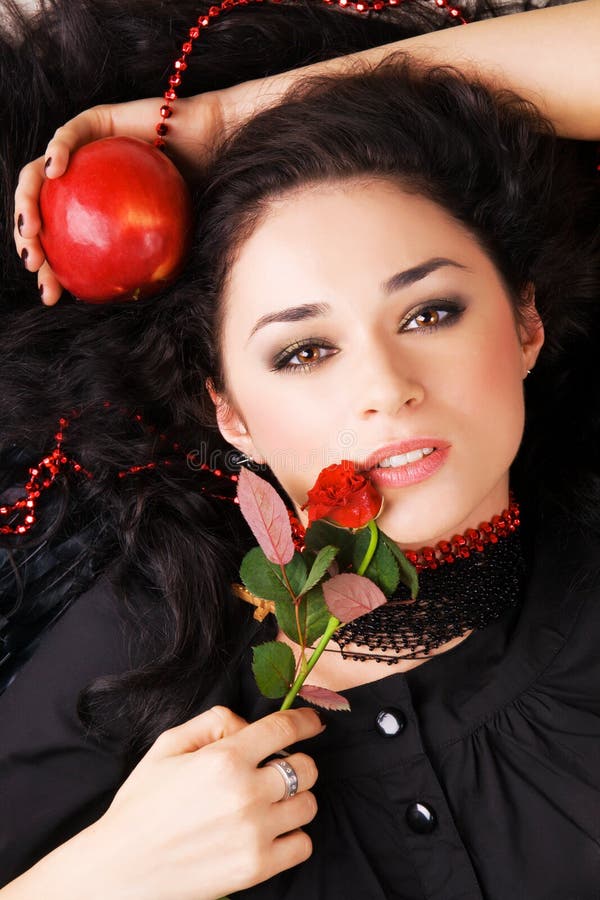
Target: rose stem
(332, 624)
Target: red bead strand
(44, 473)
(181, 63)
(473, 540)
(57, 460)
(40, 478)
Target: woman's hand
(196, 819)
(194, 129)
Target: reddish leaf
(320, 696)
(266, 514)
(349, 596)
(334, 568)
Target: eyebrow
(399, 281)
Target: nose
(385, 383)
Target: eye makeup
(282, 361)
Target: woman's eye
(301, 357)
(304, 356)
(436, 315)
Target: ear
(531, 332)
(231, 426)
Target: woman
(460, 180)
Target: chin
(412, 529)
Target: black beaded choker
(470, 593)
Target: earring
(529, 371)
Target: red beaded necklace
(181, 63)
(45, 472)
(474, 539)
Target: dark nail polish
(321, 716)
(47, 163)
(20, 223)
(24, 255)
(41, 290)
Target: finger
(135, 119)
(274, 783)
(88, 126)
(27, 217)
(208, 727)
(31, 253)
(293, 813)
(277, 731)
(287, 851)
(48, 285)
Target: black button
(390, 721)
(421, 818)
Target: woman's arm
(197, 800)
(196, 797)
(549, 56)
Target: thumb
(210, 726)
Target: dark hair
(492, 161)
(495, 164)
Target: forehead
(339, 240)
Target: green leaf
(274, 666)
(285, 613)
(361, 542)
(320, 566)
(312, 613)
(322, 534)
(408, 573)
(296, 573)
(265, 579)
(383, 569)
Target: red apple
(117, 225)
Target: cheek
(489, 394)
(290, 431)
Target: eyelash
(281, 363)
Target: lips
(418, 443)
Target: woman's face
(326, 359)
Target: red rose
(343, 496)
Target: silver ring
(288, 773)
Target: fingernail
(20, 223)
(24, 255)
(41, 290)
(47, 163)
(321, 716)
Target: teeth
(402, 459)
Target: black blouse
(475, 775)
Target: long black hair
(170, 548)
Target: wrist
(81, 867)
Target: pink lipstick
(412, 472)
